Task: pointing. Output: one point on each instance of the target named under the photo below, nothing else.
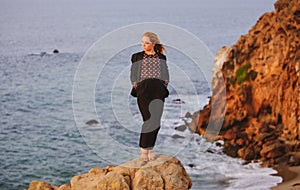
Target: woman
(149, 77)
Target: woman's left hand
(134, 85)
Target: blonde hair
(158, 47)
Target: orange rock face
(262, 81)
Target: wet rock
(43, 53)
(178, 101)
(55, 51)
(92, 122)
(246, 153)
(294, 159)
(181, 128)
(272, 149)
(177, 137)
(188, 115)
(191, 165)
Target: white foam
(229, 172)
(211, 168)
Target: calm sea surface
(39, 138)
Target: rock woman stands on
(149, 77)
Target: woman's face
(147, 45)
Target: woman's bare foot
(144, 155)
(151, 155)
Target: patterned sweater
(148, 66)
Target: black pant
(151, 98)
(151, 110)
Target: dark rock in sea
(219, 144)
(178, 101)
(43, 53)
(55, 51)
(177, 137)
(181, 128)
(191, 165)
(188, 115)
(92, 122)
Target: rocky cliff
(164, 173)
(261, 75)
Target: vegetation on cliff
(262, 82)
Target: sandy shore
(291, 178)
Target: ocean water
(39, 136)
